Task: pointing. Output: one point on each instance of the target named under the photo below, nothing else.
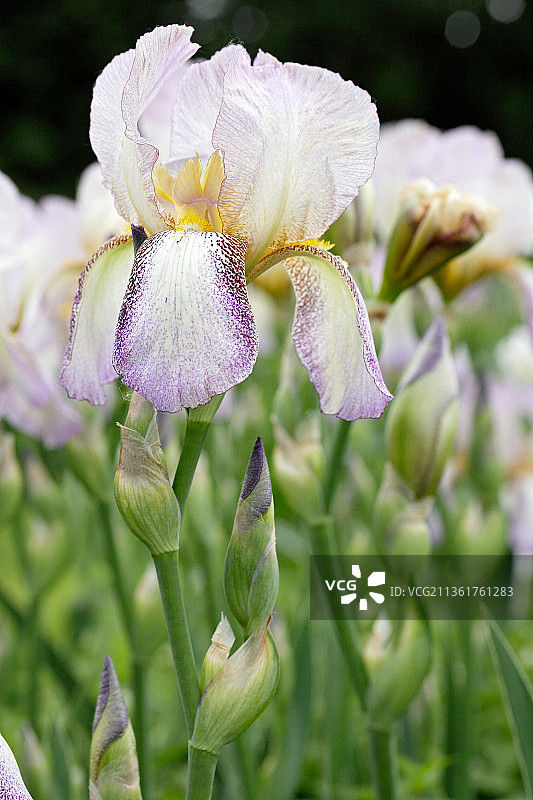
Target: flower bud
(251, 575)
(218, 653)
(434, 226)
(143, 492)
(11, 481)
(11, 783)
(298, 464)
(113, 767)
(398, 676)
(238, 693)
(422, 421)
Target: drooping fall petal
(186, 330)
(11, 784)
(87, 364)
(332, 334)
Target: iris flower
(262, 158)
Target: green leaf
(517, 692)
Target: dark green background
(51, 53)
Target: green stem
(346, 629)
(382, 764)
(137, 663)
(166, 565)
(198, 423)
(333, 469)
(200, 774)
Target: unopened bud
(298, 464)
(238, 693)
(11, 481)
(11, 783)
(113, 768)
(251, 576)
(143, 492)
(398, 677)
(218, 653)
(434, 226)
(422, 421)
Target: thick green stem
(166, 565)
(382, 763)
(137, 662)
(198, 423)
(200, 774)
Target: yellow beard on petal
(191, 197)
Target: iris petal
(186, 330)
(87, 363)
(332, 334)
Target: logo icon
(374, 579)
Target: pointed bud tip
(110, 686)
(256, 471)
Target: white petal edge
(298, 141)
(87, 364)
(332, 334)
(126, 87)
(186, 330)
(11, 783)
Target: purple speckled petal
(298, 142)
(126, 87)
(11, 783)
(186, 330)
(87, 364)
(332, 334)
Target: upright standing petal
(126, 87)
(298, 142)
(186, 330)
(11, 784)
(197, 104)
(87, 364)
(332, 334)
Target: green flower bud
(251, 576)
(434, 226)
(113, 767)
(143, 492)
(11, 783)
(11, 481)
(298, 464)
(422, 420)
(218, 653)
(398, 676)
(238, 693)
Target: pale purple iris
(261, 158)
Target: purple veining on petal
(257, 480)
(11, 783)
(83, 374)
(328, 309)
(185, 330)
